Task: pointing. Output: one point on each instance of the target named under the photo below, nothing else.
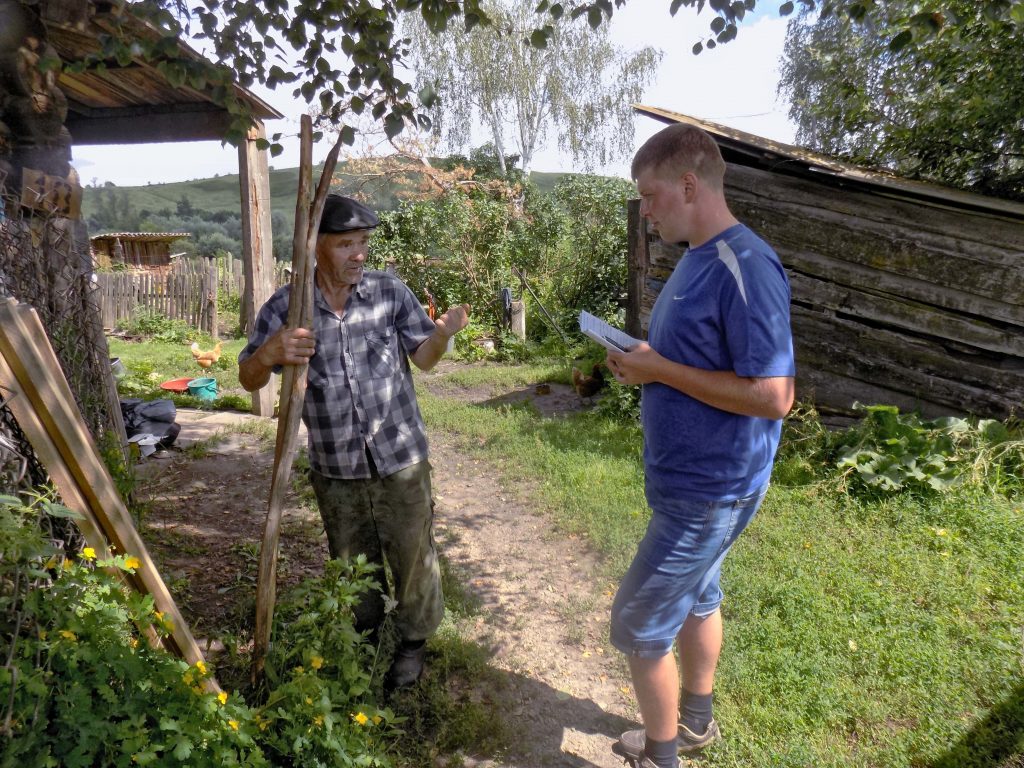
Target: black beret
(343, 214)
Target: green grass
(149, 363)
(877, 634)
(858, 634)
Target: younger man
(717, 375)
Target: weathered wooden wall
(894, 301)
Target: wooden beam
(257, 247)
(145, 125)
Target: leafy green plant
(322, 710)
(82, 684)
(891, 451)
(620, 401)
(156, 325)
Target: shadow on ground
(997, 741)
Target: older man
(367, 442)
(717, 375)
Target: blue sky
(734, 84)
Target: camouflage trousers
(390, 520)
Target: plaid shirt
(359, 390)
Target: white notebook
(608, 336)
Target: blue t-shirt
(725, 308)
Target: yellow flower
(309, 701)
(318, 720)
(132, 563)
(134, 642)
(159, 615)
(941, 532)
(360, 718)
(201, 666)
(51, 563)
(222, 697)
(66, 565)
(298, 671)
(187, 677)
(263, 724)
(377, 719)
(89, 553)
(68, 635)
(316, 662)
(233, 724)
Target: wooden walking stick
(308, 208)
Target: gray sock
(695, 712)
(663, 754)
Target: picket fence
(183, 291)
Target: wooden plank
(909, 366)
(906, 315)
(970, 261)
(25, 345)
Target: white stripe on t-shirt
(728, 257)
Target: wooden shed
(46, 110)
(904, 293)
(135, 250)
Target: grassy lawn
(859, 633)
(882, 633)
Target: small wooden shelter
(135, 250)
(44, 111)
(904, 293)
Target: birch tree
(496, 79)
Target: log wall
(895, 301)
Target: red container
(176, 385)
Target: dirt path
(543, 608)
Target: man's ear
(690, 184)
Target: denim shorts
(676, 569)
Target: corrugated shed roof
(142, 237)
(749, 149)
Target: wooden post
(257, 247)
(519, 319)
(210, 315)
(308, 208)
(637, 261)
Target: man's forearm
(430, 351)
(769, 398)
(252, 373)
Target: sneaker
(631, 743)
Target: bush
(83, 687)
(159, 327)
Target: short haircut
(680, 148)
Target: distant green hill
(222, 193)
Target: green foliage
(857, 92)
(83, 687)
(158, 327)
(620, 401)
(324, 681)
(464, 247)
(577, 84)
(890, 452)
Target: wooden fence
(184, 291)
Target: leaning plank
(23, 342)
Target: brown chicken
(587, 386)
(208, 358)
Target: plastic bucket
(204, 388)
